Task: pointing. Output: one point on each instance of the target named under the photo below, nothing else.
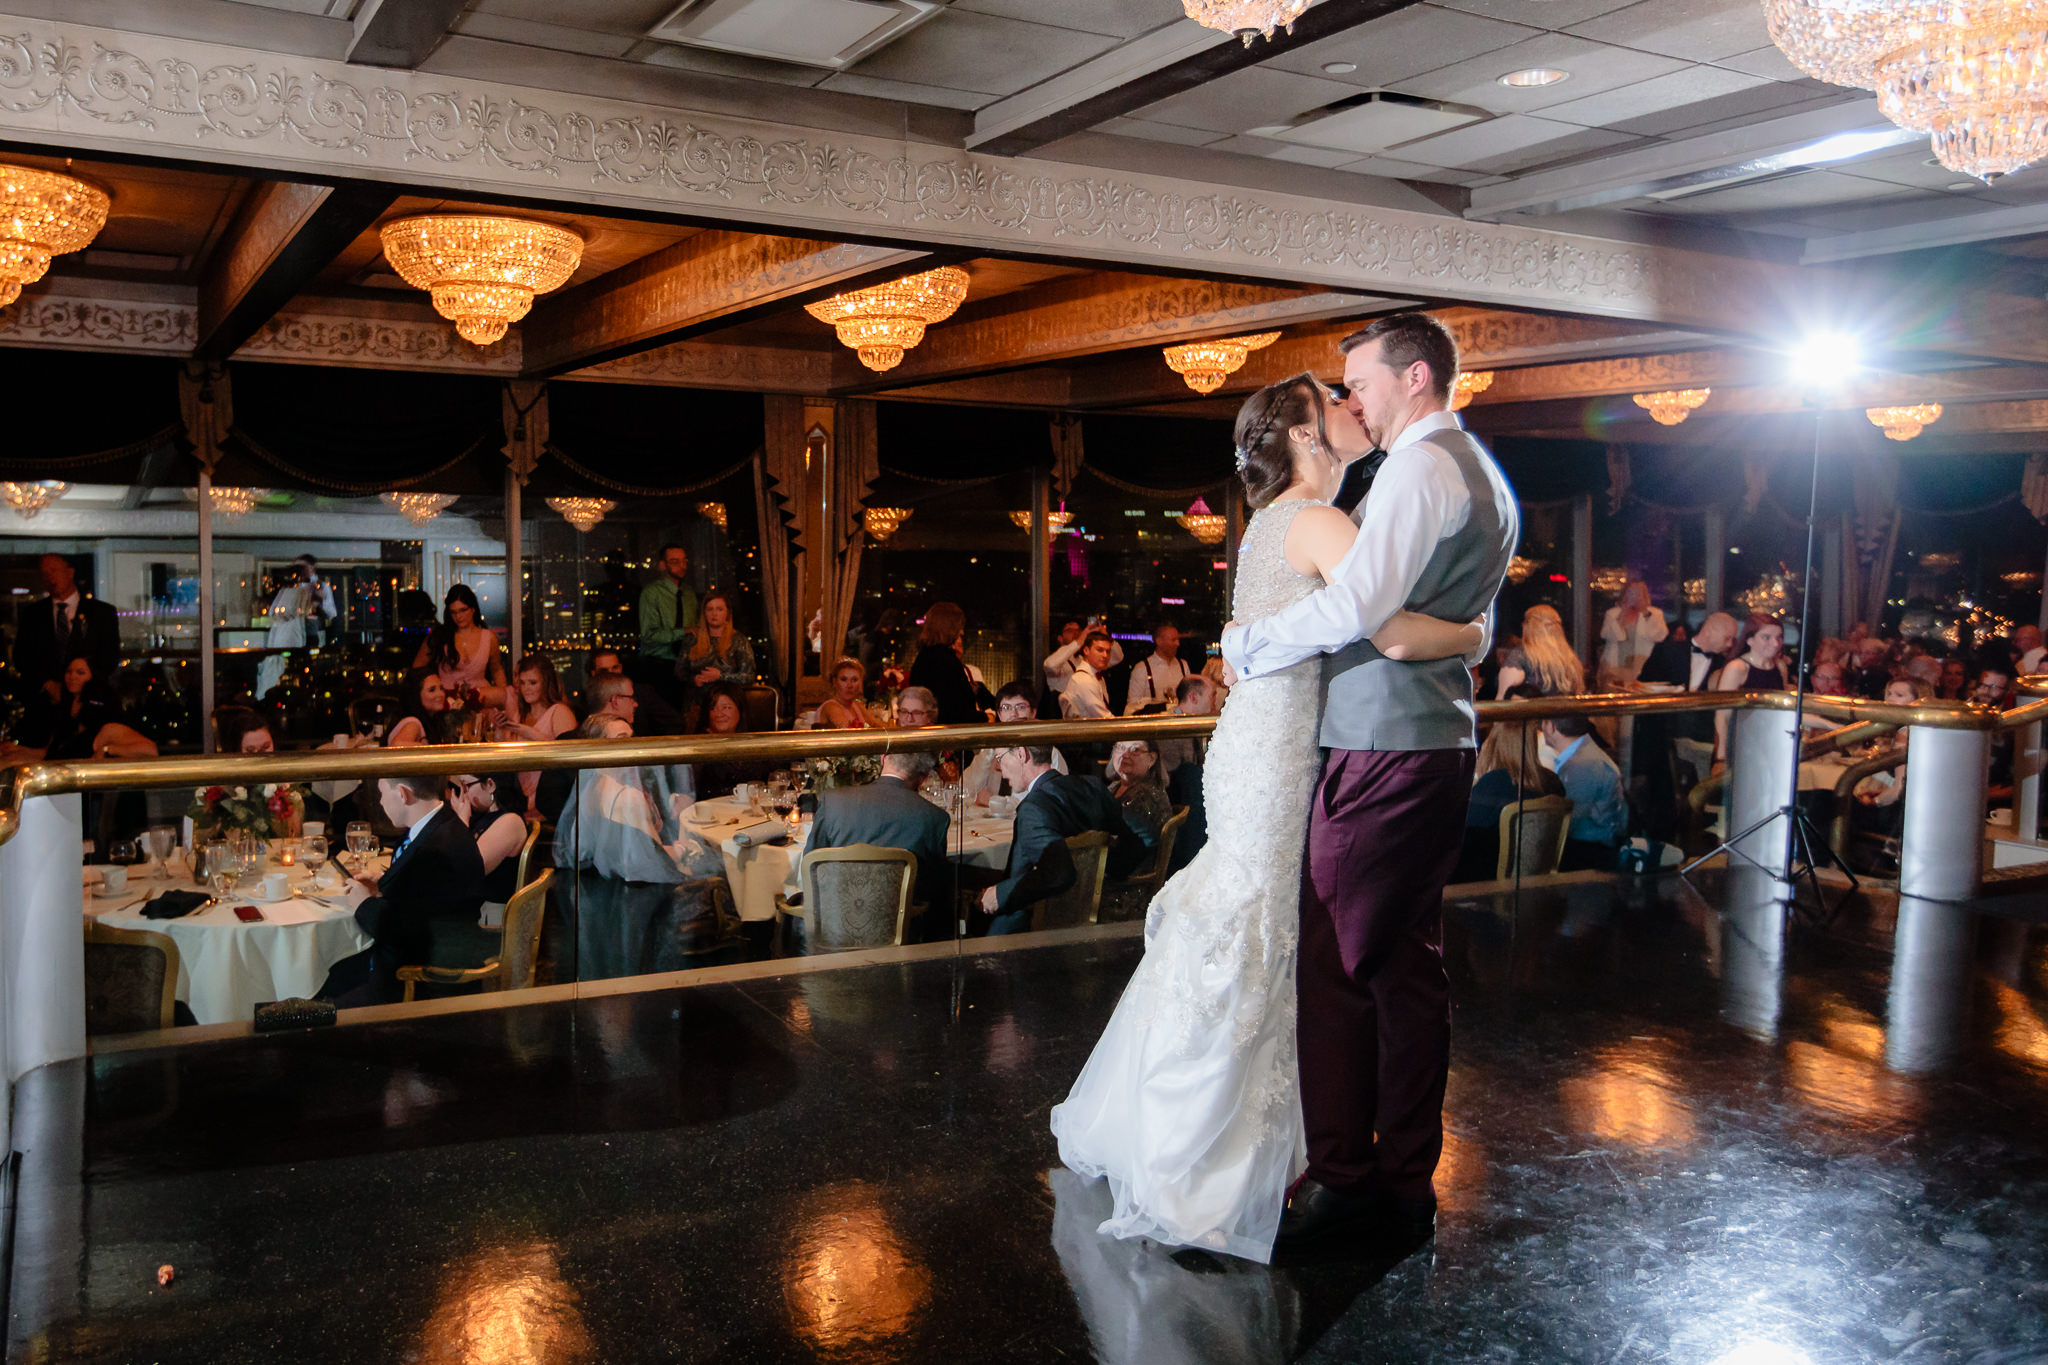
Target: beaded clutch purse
(293, 1013)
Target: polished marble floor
(1675, 1136)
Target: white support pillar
(206, 696)
(42, 949)
(2027, 763)
(1760, 748)
(1941, 849)
(1934, 949)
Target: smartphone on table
(248, 914)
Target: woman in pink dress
(464, 653)
(535, 709)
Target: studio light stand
(1805, 847)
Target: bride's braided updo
(1265, 454)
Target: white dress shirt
(1060, 664)
(2030, 662)
(1155, 679)
(1418, 499)
(1085, 697)
(1702, 664)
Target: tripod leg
(1728, 845)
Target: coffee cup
(744, 793)
(274, 886)
(113, 879)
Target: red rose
(214, 794)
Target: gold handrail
(1845, 794)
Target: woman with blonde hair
(1544, 659)
(1509, 769)
(843, 710)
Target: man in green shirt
(668, 608)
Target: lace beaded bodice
(1266, 583)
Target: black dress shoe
(1319, 1223)
(1316, 1213)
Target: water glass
(162, 839)
(313, 852)
(361, 840)
(124, 853)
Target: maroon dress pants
(1374, 1032)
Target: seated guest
(243, 730)
(1873, 667)
(80, 723)
(603, 661)
(1182, 758)
(631, 822)
(1954, 684)
(1085, 696)
(1155, 677)
(916, 708)
(423, 908)
(1993, 688)
(609, 702)
(1054, 808)
(938, 668)
(717, 653)
(535, 709)
(889, 813)
(1758, 666)
(1544, 658)
(499, 832)
(1508, 770)
(423, 712)
(723, 716)
(1139, 786)
(1599, 810)
(846, 708)
(1828, 680)
(984, 776)
(1196, 696)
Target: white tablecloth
(1821, 772)
(758, 872)
(225, 967)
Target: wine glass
(361, 839)
(162, 839)
(313, 852)
(221, 871)
(124, 853)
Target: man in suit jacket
(1686, 665)
(1055, 807)
(423, 908)
(890, 814)
(62, 626)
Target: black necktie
(63, 628)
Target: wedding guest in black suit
(1055, 807)
(1673, 752)
(889, 813)
(62, 625)
(423, 908)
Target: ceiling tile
(506, 29)
(1592, 67)
(1548, 14)
(1765, 61)
(1307, 156)
(599, 16)
(1701, 30)
(1514, 138)
(1810, 189)
(854, 83)
(1117, 18)
(960, 50)
(1159, 132)
(1395, 169)
(1248, 98)
(1402, 44)
(1660, 95)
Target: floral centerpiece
(854, 770)
(272, 811)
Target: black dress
(939, 670)
(501, 881)
(1763, 680)
(50, 726)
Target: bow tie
(1697, 650)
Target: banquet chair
(710, 923)
(512, 968)
(854, 897)
(131, 980)
(761, 708)
(1128, 897)
(526, 851)
(1535, 827)
(1080, 903)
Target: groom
(1374, 1033)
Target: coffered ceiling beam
(401, 33)
(1744, 382)
(713, 279)
(285, 233)
(1092, 314)
(1167, 62)
(1949, 230)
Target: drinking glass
(220, 866)
(313, 853)
(361, 839)
(162, 839)
(124, 853)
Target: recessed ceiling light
(1533, 76)
(1339, 68)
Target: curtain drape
(778, 482)
(856, 464)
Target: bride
(1190, 1103)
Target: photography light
(1826, 360)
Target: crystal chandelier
(43, 214)
(883, 322)
(1469, 382)
(583, 513)
(1205, 526)
(882, 522)
(1056, 522)
(418, 508)
(713, 512)
(1205, 364)
(1248, 19)
(1520, 567)
(1971, 73)
(1903, 424)
(483, 272)
(228, 503)
(27, 499)
(1672, 406)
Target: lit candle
(287, 852)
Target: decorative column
(854, 466)
(526, 436)
(779, 481)
(1040, 552)
(1582, 576)
(1941, 847)
(1717, 559)
(205, 402)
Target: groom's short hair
(1408, 337)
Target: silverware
(129, 906)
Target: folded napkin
(766, 832)
(172, 904)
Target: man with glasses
(984, 778)
(1054, 807)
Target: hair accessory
(1244, 458)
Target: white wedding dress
(1190, 1104)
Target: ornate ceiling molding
(80, 86)
(706, 365)
(75, 324)
(428, 343)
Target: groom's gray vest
(1376, 703)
